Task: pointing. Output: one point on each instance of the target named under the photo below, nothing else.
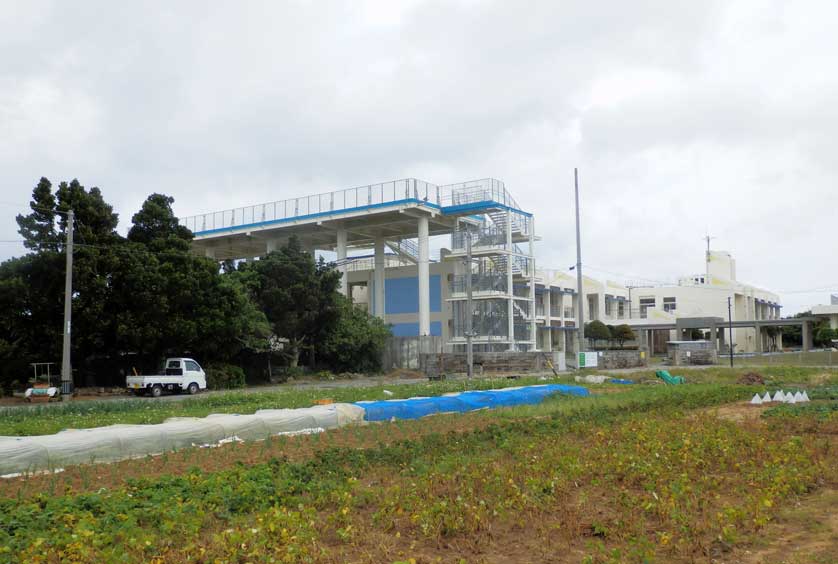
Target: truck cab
(179, 375)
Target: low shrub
(224, 377)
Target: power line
(29, 206)
(827, 288)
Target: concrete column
(833, 321)
(561, 307)
(509, 282)
(714, 336)
(271, 245)
(425, 280)
(532, 284)
(547, 299)
(341, 252)
(209, 252)
(758, 338)
(807, 336)
(378, 300)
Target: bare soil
(739, 412)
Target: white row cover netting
(119, 442)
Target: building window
(646, 303)
(609, 308)
(669, 305)
(621, 309)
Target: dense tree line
(141, 297)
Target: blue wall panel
(412, 329)
(401, 295)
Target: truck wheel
(157, 390)
(193, 388)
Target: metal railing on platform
(479, 283)
(488, 189)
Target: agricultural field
(643, 473)
(46, 419)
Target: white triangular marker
(798, 397)
(790, 398)
(756, 400)
(805, 396)
(778, 395)
(766, 398)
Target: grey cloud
(682, 116)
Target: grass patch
(773, 375)
(47, 419)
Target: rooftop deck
(387, 209)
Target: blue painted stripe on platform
(485, 204)
(447, 210)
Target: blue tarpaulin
(620, 381)
(415, 408)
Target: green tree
(356, 342)
(43, 231)
(173, 302)
(31, 309)
(146, 296)
(597, 331)
(38, 228)
(157, 227)
(623, 333)
(695, 334)
(298, 296)
(793, 334)
(824, 336)
(611, 338)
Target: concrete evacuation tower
(381, 234)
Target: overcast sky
(682, 117)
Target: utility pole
(730, 330)
(66, 368)
(470, 311)
(580, 316)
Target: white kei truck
(181, 375)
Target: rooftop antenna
(707, 238)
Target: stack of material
(781, 397)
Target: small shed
(683, 353)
